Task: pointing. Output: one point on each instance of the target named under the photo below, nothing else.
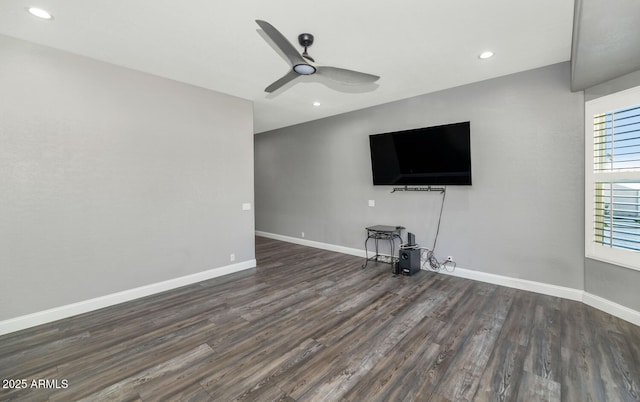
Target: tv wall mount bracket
(429, 188)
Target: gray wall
(613, 282)
(621, 83)
(523, 216)
(112, 179)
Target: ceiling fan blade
(285, 46)
(290, 76)
(346, 76)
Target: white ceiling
(416, 46)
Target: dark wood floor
(309, 325)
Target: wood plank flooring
(310, 325)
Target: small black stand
(382, 232)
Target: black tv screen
(439, 155)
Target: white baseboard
(612, 308)
(589, 299)
(517, 283)
(42, 317)
(69, 310)
(311, 243)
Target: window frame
(622, 257)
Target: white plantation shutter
(612, 217)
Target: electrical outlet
(449, 259)
(232, 257)
(302, 234)
(372, 203)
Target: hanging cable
(428, 256)
(444, 194)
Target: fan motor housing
(305, 39)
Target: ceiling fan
(300, 62)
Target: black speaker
(409, 262)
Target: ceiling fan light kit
(304, 69)
(300, 66)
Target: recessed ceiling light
(486, 55)
(40, 13)
(316, 103)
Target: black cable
(444, 194)
(431, 259)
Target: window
(612, 188)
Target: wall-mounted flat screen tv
(439, 155)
